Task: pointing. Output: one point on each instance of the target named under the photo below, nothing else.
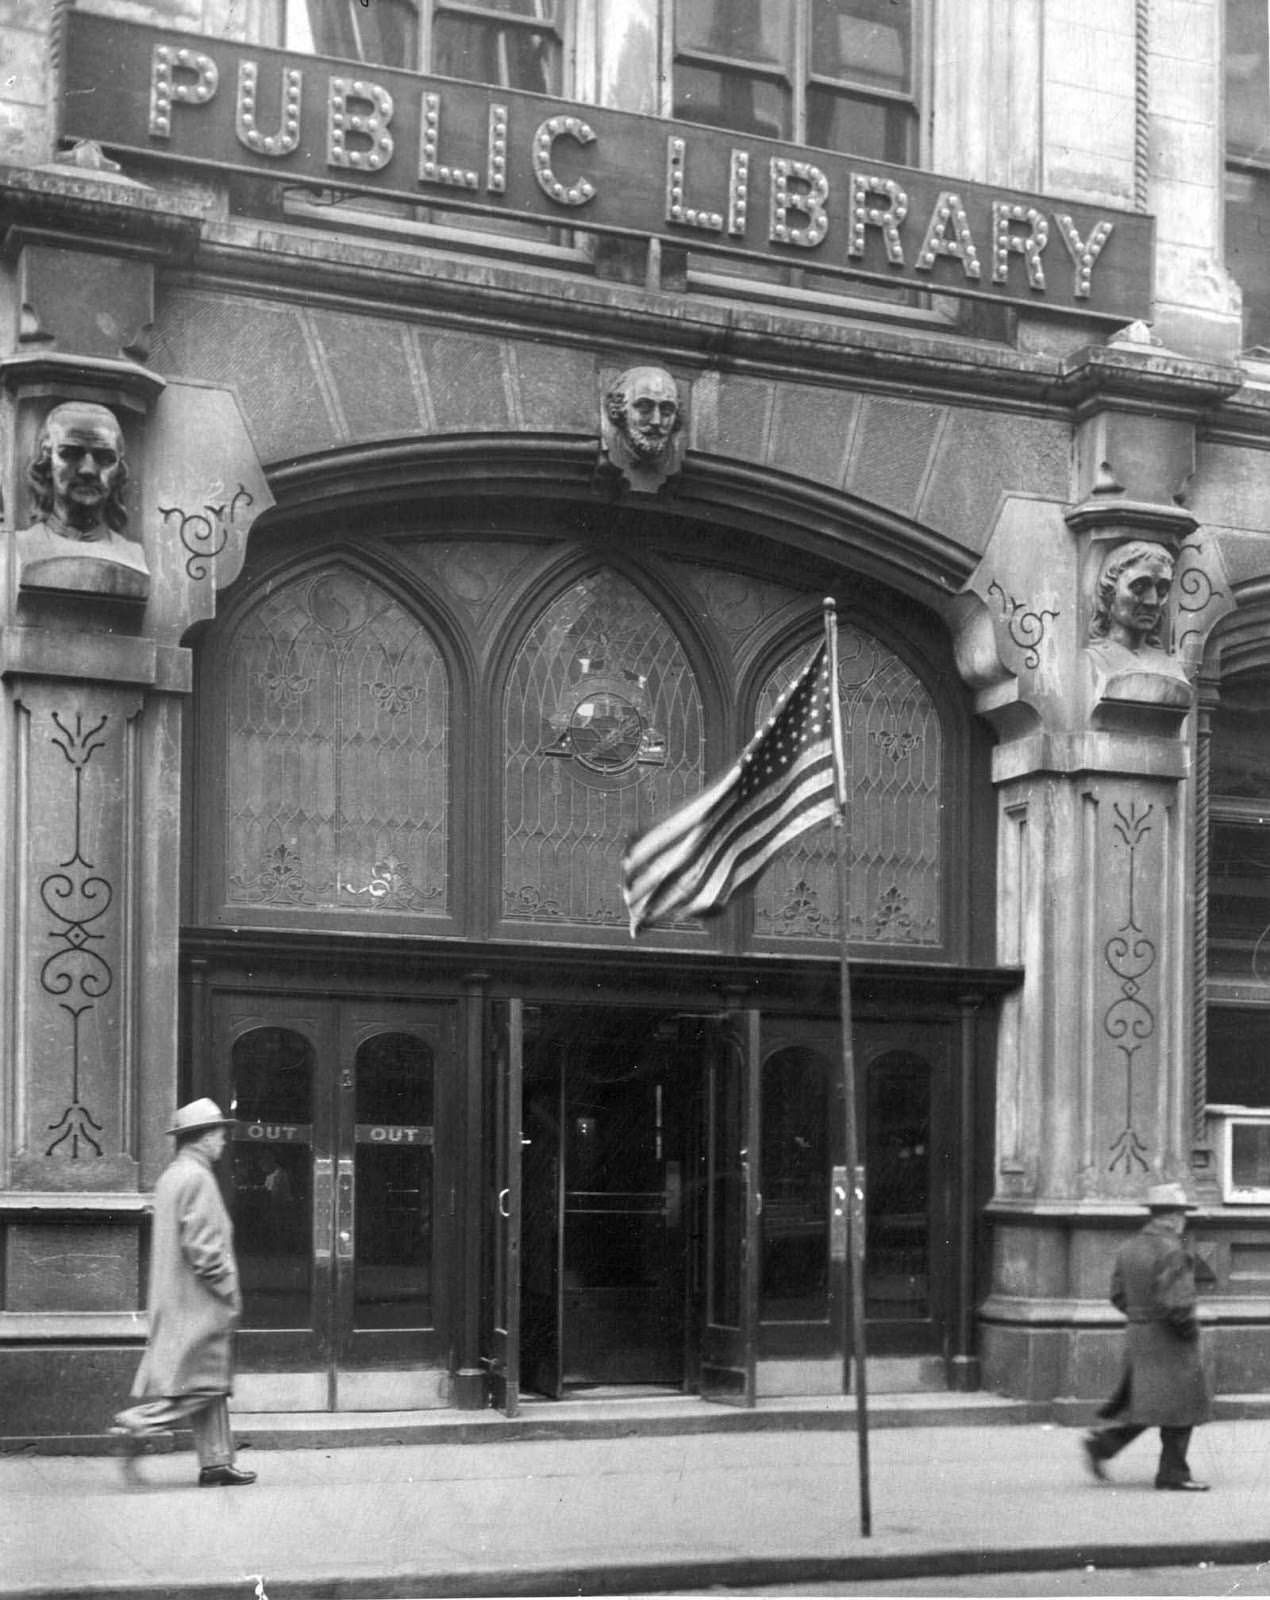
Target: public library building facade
(493, 433)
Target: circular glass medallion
(605, 730)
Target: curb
(676, 1576)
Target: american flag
(695, 860)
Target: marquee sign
(322, 123)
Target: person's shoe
(227, 1477)
(131, 1445)
(1094, 1458)
(1187, 1485)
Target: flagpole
(855, 1170)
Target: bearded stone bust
(77, 482)
(641, 427)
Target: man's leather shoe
(223, 1477)
(1094, 1458)
(131, 1445)
(1188, 1485)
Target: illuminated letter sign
(206, 102)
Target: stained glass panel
(602, 732)
(894, 755)
(337, 756)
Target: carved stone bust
(641, 427)
(77, 481)
(1126, 631)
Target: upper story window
(833, 74)
(1248, 161)
(1239, 857)
(1238, 1064)
(836, 75)
(517, 43)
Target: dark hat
(199, 1115)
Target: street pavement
(620, 1515)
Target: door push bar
(323, 1183)
(344, 1211)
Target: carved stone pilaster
(1094, 769)
(94, 681)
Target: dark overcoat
(194, 1300)
(1153, 1283)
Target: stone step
(593, 1417)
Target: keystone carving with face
(641, 427)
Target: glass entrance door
(333, 1184)
(908, 1140)
(602, 1237)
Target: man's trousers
(1108, 1442)
(207, 1414)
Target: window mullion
(427, 26)
(800, 68)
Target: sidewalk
(618, 1515)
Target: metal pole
(855, 1169)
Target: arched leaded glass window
(602, 731)
(336, 752)
(894, 754)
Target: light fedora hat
(1168, 1197)
(203, 1113)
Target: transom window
(827, 74)
(332, 797)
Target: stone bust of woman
(1127, 629)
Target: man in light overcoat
(1163, 1384)
(194, 1303)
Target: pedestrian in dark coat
(1163, 1383)
(194, 1303)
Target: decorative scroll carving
(1025, 627)
(76, 974)
(1195, 592)
(205, 532)
(1130, 955)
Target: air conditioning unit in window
(1243, 1143)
